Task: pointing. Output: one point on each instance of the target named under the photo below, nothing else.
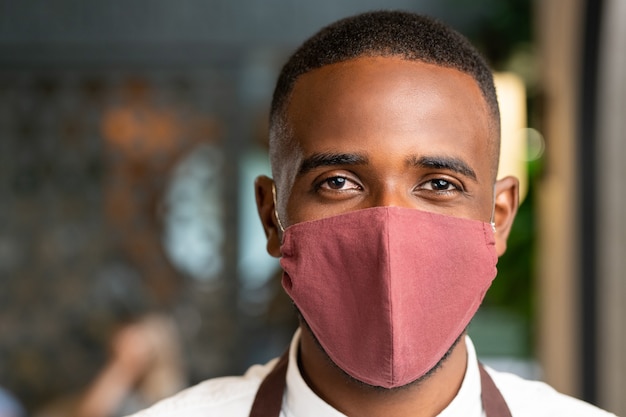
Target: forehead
(389, 103)
(378, 79)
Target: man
(388, 219)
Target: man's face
(381, 131)
(384, 131)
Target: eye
(441, 186)
(338, 183)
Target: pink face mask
(388, 290)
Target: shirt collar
(467, 401)
(301, 401)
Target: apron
(269, 397)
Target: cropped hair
(381, 33)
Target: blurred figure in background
(144, 366)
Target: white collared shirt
(233, 396)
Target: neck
(427, 398)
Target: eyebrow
(330, 159)
(443, 162)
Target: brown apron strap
(493, 401)
(269, 397)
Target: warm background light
(513, 151)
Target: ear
(506, 202)
(265, 206)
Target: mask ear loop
(280, 225)
(493, 211)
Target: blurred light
(535, 143)
(513, 151)
(194, 234)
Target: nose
(392, 195)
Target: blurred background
(130, 136)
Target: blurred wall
(560, 35)
(581, 234)
(611, 199)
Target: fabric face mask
(388, 290)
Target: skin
(384, 131)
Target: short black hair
(382, 33)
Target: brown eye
(336, 183)
(441, 185)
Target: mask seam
(494, 257)
(390, 295)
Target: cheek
(304, 206)
(301, 205)
(479, 205)
(299, 210)
(486, 205)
